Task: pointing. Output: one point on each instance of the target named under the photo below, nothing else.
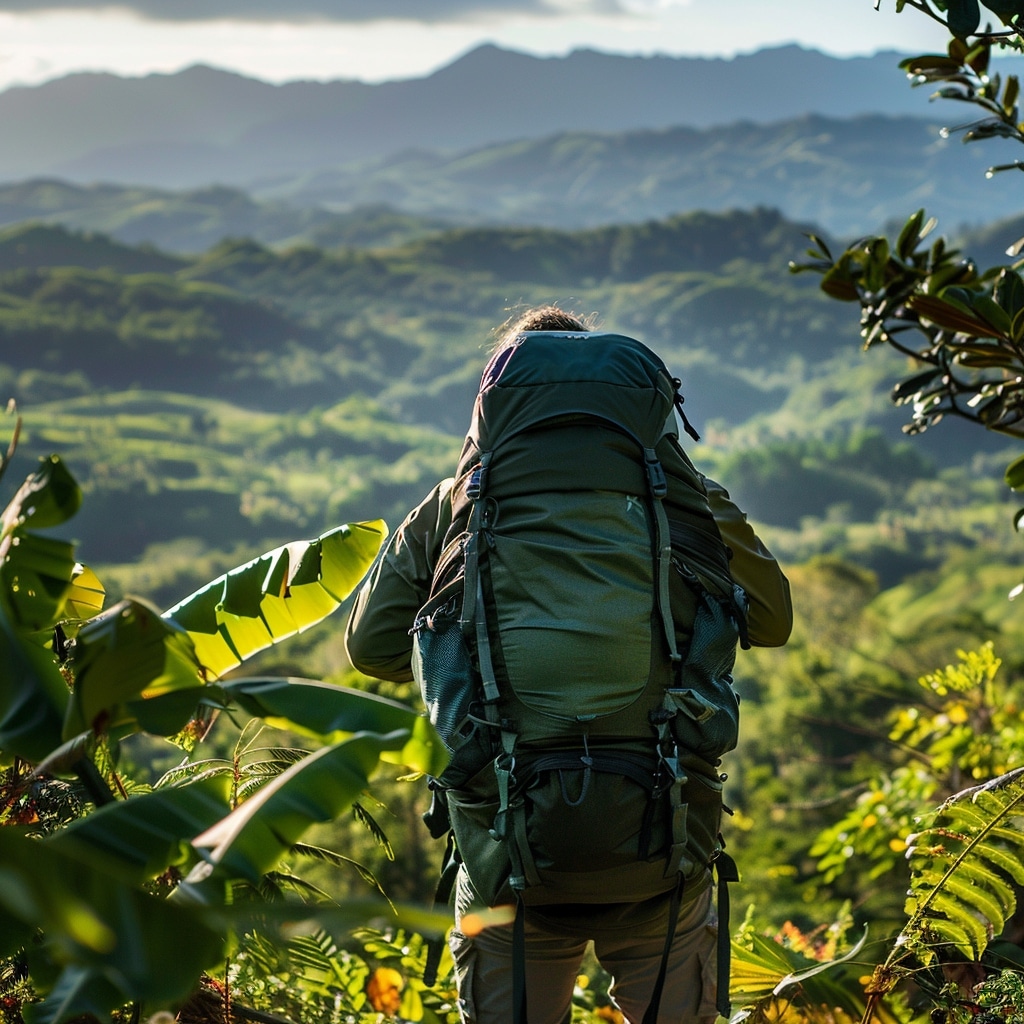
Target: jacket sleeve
(753, 567)
(377, 635)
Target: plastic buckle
(656, 478)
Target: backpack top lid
(610, 377)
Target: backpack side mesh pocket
(450, 687)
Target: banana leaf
(139, 838)
(252, 839)
(36, 571)
(33, 696)
(276, 595)
(333, 713)
(35, 580)
(137, 669)
(85, 596)
(128, 652)
(147, 948)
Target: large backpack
(576, 649)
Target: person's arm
(377, 636)
(753, 567)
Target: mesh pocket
(450, 687)
(444, 671)
(708, 707)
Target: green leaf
(969, 939)
(129, 651)
(930, 62)
(80, 992)
(962, 17)
(36, 577)
(332, 713)
(993, 313)
(151, 949)
(33, 695)
(910, 235)
(948, 316)
(49, 497)
(35, 571)
(1010, 94)
(1008, 292)
(838, 282)
(142, 836)
(1014, 474)
(276, 595)
(1003, 8)
(256, 835)
(85, 595)
(958, 889)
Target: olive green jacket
(377, 636)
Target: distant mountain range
(848, 176)
(497, 138)
(202, 125)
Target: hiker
(570, 604)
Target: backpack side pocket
(450, 685)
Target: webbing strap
(524, 867)
(651, 1016)
(726, 870)
(663, 549)
(669, 756)
(445, 884)
(519, 963)
(484, 659)
(678, 811)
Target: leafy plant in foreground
(84, 910)
(965, 865)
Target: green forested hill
(248, 395)
(215, 406)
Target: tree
(962, 327)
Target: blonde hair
(542, 318)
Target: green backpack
(576, 649)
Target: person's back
(575, 617)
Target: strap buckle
(656, 479)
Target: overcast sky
(374, 40)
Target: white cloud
(34, 47)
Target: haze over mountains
(497, 137)
(204, 125)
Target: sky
(377, 40)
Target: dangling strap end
(687, 425)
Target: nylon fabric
(561, 658)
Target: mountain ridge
(204, 124)
(848, 176)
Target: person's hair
(541, 318)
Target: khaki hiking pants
(628, 938)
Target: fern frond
(363, 816)
(263, 955)
(963, 867)
(339, 860)
(290, 755)
(193, 771)
(313, 953)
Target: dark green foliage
(858, 475)
(26, 246)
